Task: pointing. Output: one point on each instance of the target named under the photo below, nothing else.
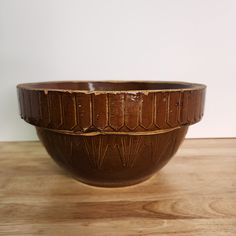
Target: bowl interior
(110, 86)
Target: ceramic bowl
(111, 133)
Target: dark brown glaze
(100, 111)
(112, 160)
(111, 133)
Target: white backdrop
(185, 40)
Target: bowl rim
(192, 86)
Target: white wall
(130, 40)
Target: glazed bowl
(111, 133)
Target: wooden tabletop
(195, 194)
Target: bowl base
(127, 183)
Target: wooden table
(195, 194)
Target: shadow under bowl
(111, 134)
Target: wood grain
(195, 194)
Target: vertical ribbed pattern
(84, 111)
(109, 112)
(147, 111)
(44, 119)
(116, 111)
(69, 111)
(100, 111)
(162, 109)
(131, 111)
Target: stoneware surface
(111, 133)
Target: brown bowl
(111, 133)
